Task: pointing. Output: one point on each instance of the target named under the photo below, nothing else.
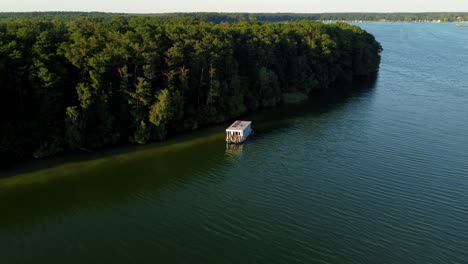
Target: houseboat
(238, 132)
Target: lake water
(379, 175)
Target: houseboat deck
(238, 131)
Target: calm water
(376, 176)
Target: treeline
(91, 82)
(282, 17)
(262, 17)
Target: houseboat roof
(239, 125)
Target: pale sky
(297, 6)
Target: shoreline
(124, 88)
(26, 169)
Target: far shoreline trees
(262, 17)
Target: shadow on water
(124, 174)
(119, 178)
(32, 165)
(320, 102)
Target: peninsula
(84, 82)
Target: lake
(378, 175)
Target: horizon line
(237, 12)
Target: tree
(139, 100)
(270, 91)
(74, 126)
(161, 112)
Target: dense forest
(281, 17)
(87, 82)
(265, 17)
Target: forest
(85, 82)
(265, 17)
(281, 17)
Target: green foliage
(48, 149)
(269, 87)
(142, 133)
(74, 126)
(166, 108)
(161, 112)
(296, 97)
(139, 99)
(235, 17)
(89, 81)
(281, 17)
(85, 95)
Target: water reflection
(235, 150)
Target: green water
(378, 175)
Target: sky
(296, 6)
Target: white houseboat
(238, 132)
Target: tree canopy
(92, 81)
(264, 17)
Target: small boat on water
(238, 132)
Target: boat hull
(240, 140)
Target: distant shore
(269, 17)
